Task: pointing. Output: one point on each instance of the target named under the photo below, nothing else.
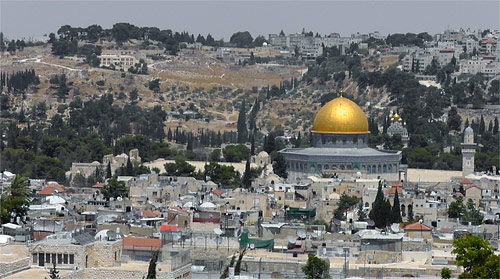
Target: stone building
(340, 147)
(79, 249)
(468, 151)
(397, 127)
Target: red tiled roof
(472, 186)
(489, 57)
(417, 227)
(41, 235)
(447, 50)
(487, 41)
(98, 185)
(147, 213)
(466, 181)
(137, 243)
(395, 187)
(49, 190)
(168, 228)
(459, 195)
(180, 210)
(217, 192)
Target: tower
(468, 151)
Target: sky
(22, 19)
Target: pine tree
(108, 170)
(396, 210)
(242, 124)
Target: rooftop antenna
(341, 92)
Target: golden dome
(396, 117)
(340, 116)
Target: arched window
(367, 204)
(403, 210)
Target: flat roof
(36, 273)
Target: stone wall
(104, 254)
(379, 257)
(92, 273)
(15, 266)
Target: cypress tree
(495, 126)
(380, 214)
(247, 176)
(108, 170)
(298, 140)
(152, 266)
(130, 167)
(466, 123)
(490, 127)
(482, 126)
(252, 145)
(396, 210)
(242, 124)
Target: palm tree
(18, 188)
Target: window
(59, 258)
(35, 258)
(53, 258)
(155, 194)
(65, 258)
(47, 258)
(72, 258)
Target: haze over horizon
(23, 19)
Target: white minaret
(468, 151)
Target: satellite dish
(395, 227)
(291, 239)
(218, 231)
(252, 246)
(302, 234)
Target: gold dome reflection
(340, 116)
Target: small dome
(341, 116)
(469, 131)
(262, 154)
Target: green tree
(380, 214)
(152, 266)
(242, 124)
(343, 205)
(237, 267)
(456, 208)
(279, 166)
(225, 273)
(236, 153)
(472, 214)
(242, 39)
(476, 256)
(396, 210)
(180, 168)
(495, 127)
(445, 273)
(114, 189)
(130, 168)
(247, 175)
(14, 200)
(454, 119)
(53, 272)
(108, 170)
(361, 213)
(316, 268)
